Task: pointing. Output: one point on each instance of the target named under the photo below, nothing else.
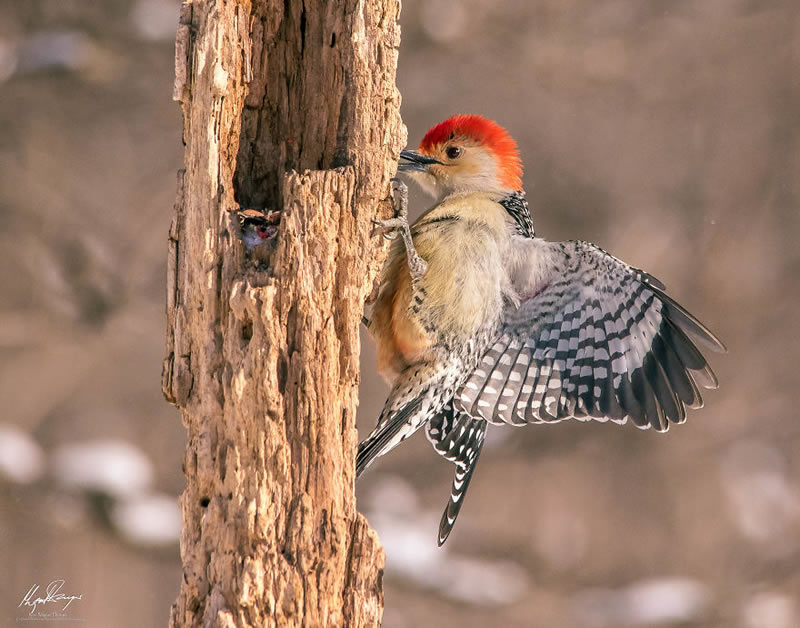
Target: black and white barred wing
(601, 340)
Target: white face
(465, 167)
(256, 231)
(251, 238)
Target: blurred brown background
(666, 132)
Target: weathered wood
(264, 362)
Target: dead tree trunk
(287, 105)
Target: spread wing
(600, 340)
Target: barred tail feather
(461, 444)
(380, 441)
(457, 493)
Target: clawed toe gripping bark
(399, 224)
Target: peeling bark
(291, 106)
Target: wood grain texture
(291, 106)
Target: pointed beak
(412, 161)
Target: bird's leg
(416, 265)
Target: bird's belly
(399, 335)
(410, 337)
(458, 297)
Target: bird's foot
(393, 226)
(399, 225)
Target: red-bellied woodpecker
(257, 227)
(479, 321)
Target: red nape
(484, 131)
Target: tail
(417, 396)
(388, 433)
(457, 493)
(458, 438)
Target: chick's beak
(415, 162)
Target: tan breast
(462, 286)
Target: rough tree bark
(288, 105)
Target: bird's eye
(454, 152)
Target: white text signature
(53, 594)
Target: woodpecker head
(465, 153)
(257, 227)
